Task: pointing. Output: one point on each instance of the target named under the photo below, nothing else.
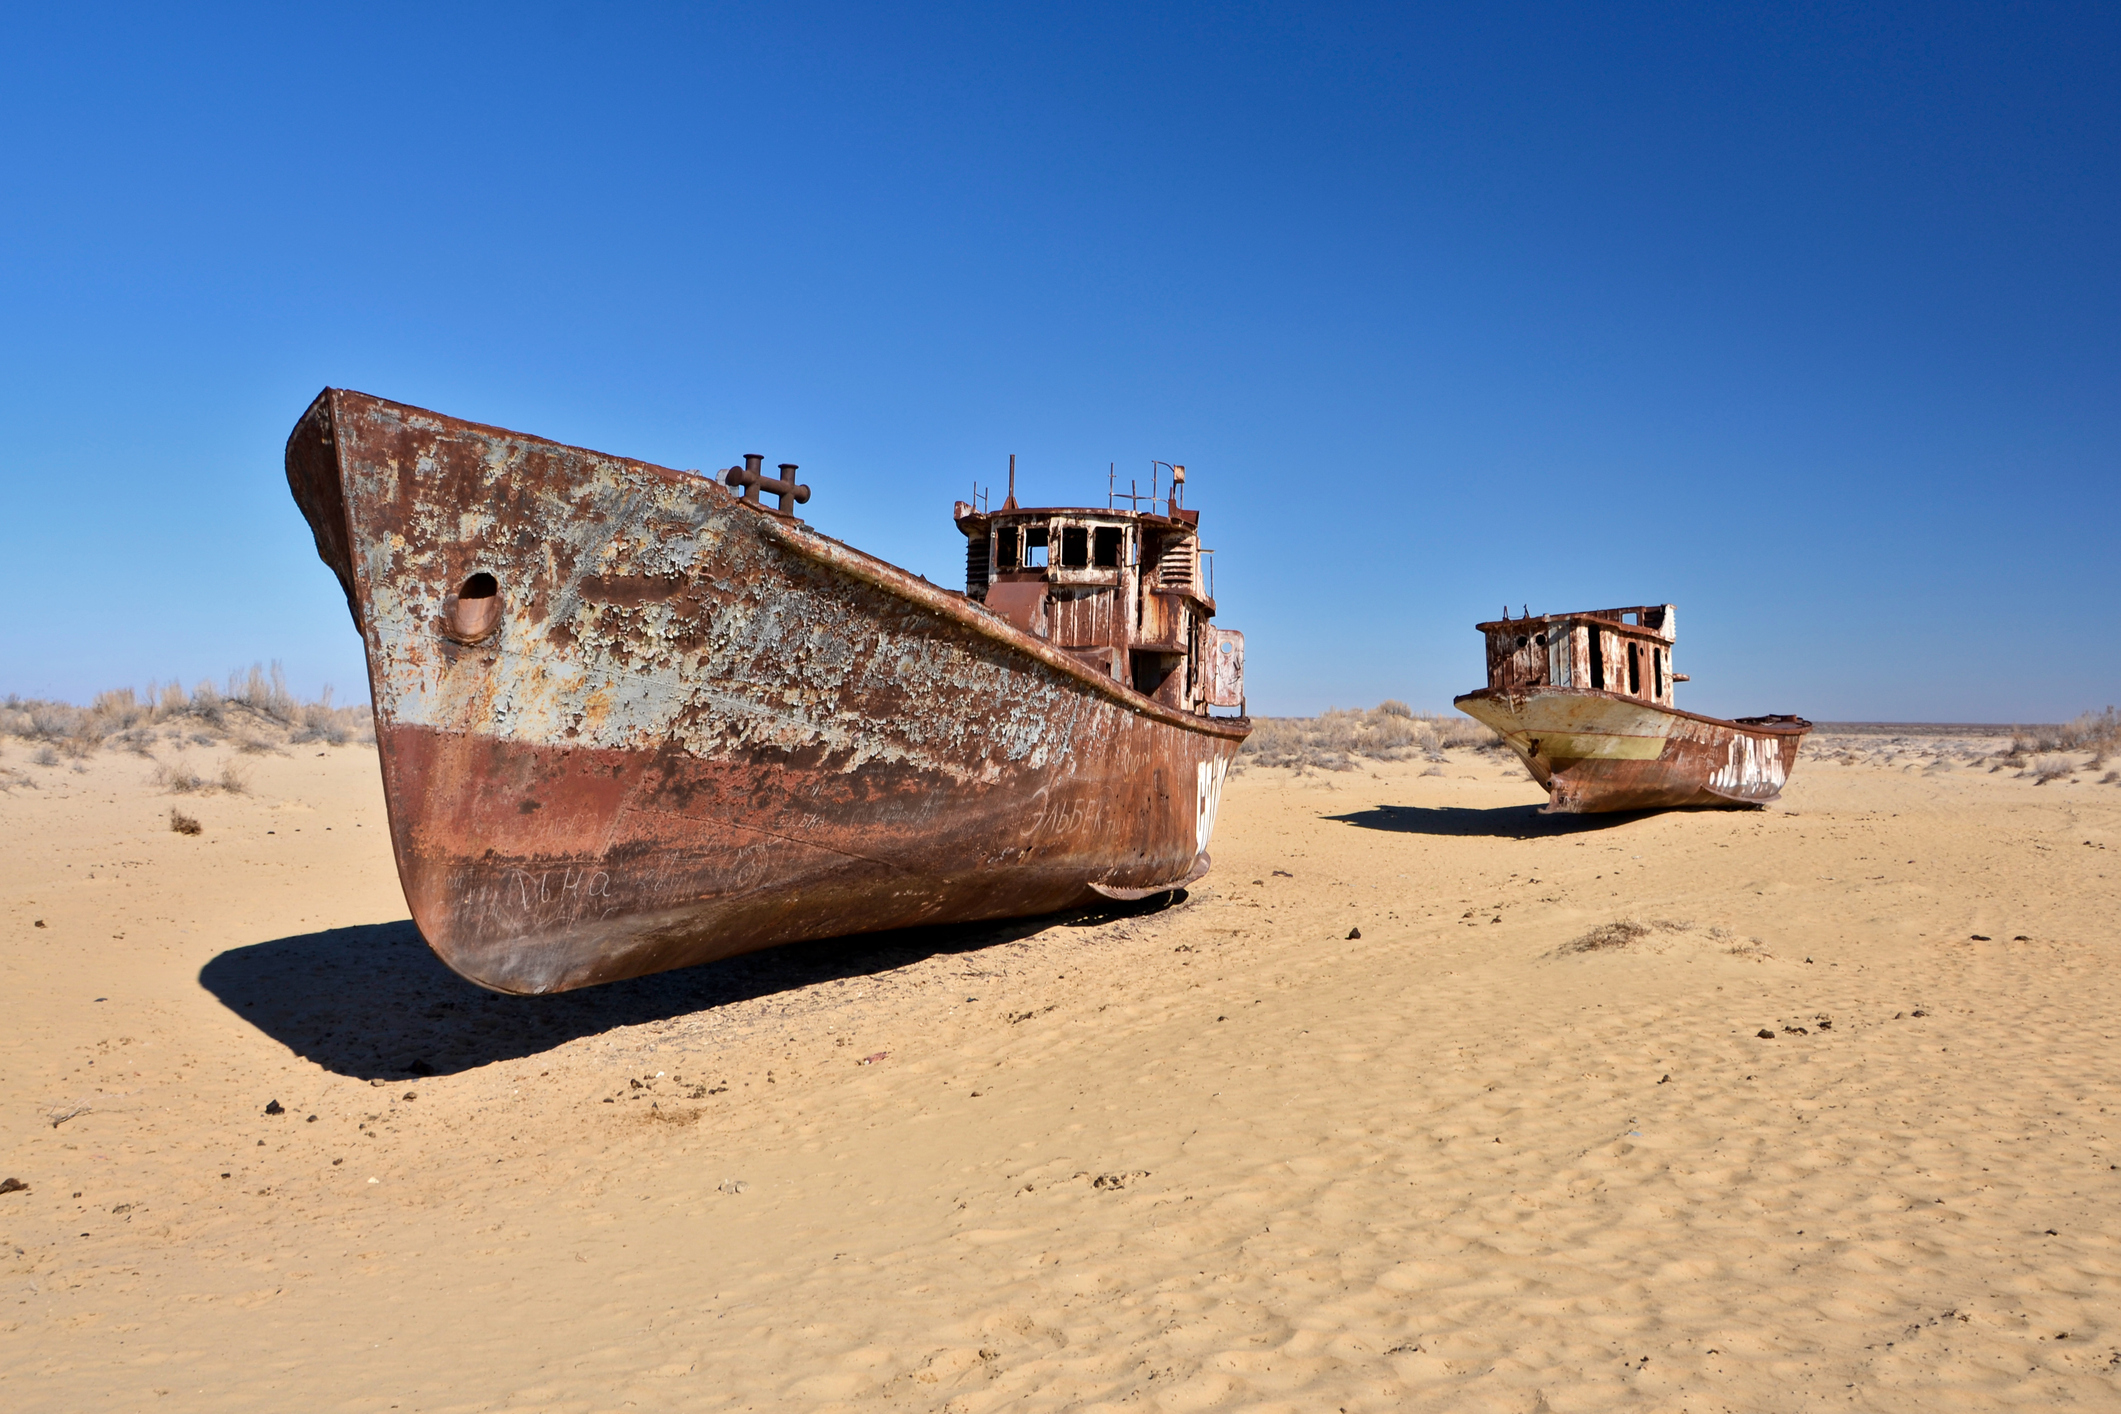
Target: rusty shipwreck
(632, 718)
(1586, 701)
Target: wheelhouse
(1624, 651)
(1121, 589)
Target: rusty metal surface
(1585, 700)
(679, 726)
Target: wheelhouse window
(1035, 539)
(1075, 547)
(1106, 548)
(1008, 552)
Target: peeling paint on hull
(695, 729)
(1597, 751)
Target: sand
(1223, 1155)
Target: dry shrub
(50, 721)
(322, 722)
(45, 756)
(2049, 767)
(1340, 738)
(233, 779)
(182, 823)
(2096, 732)
(178, 778)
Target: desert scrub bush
(1340, 738)
(2096, 732)
(45, 756)
(233, 779)
(178, 778)
(2052, 766)
(138, 740)
(182, 823)
(321, 722)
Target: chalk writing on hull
(1755, 765)
(1208, 800)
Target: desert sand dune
(1422, 1100)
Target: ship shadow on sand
(372, 1001)
(1505, 822)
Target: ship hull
(1598, 751)
(696, 729)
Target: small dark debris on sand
(13, 1185)
(1354, 933)
(1764, 1034)
(274, 1107)
(1618, 934)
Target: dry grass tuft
(184, 824)
(44, 756)
(233, 779)
(1341, 738)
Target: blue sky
(1805, 318)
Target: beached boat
(633, 718)
(1585, 700)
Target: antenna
(1111, 482)
(1010, 504)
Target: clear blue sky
(1804, 317)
